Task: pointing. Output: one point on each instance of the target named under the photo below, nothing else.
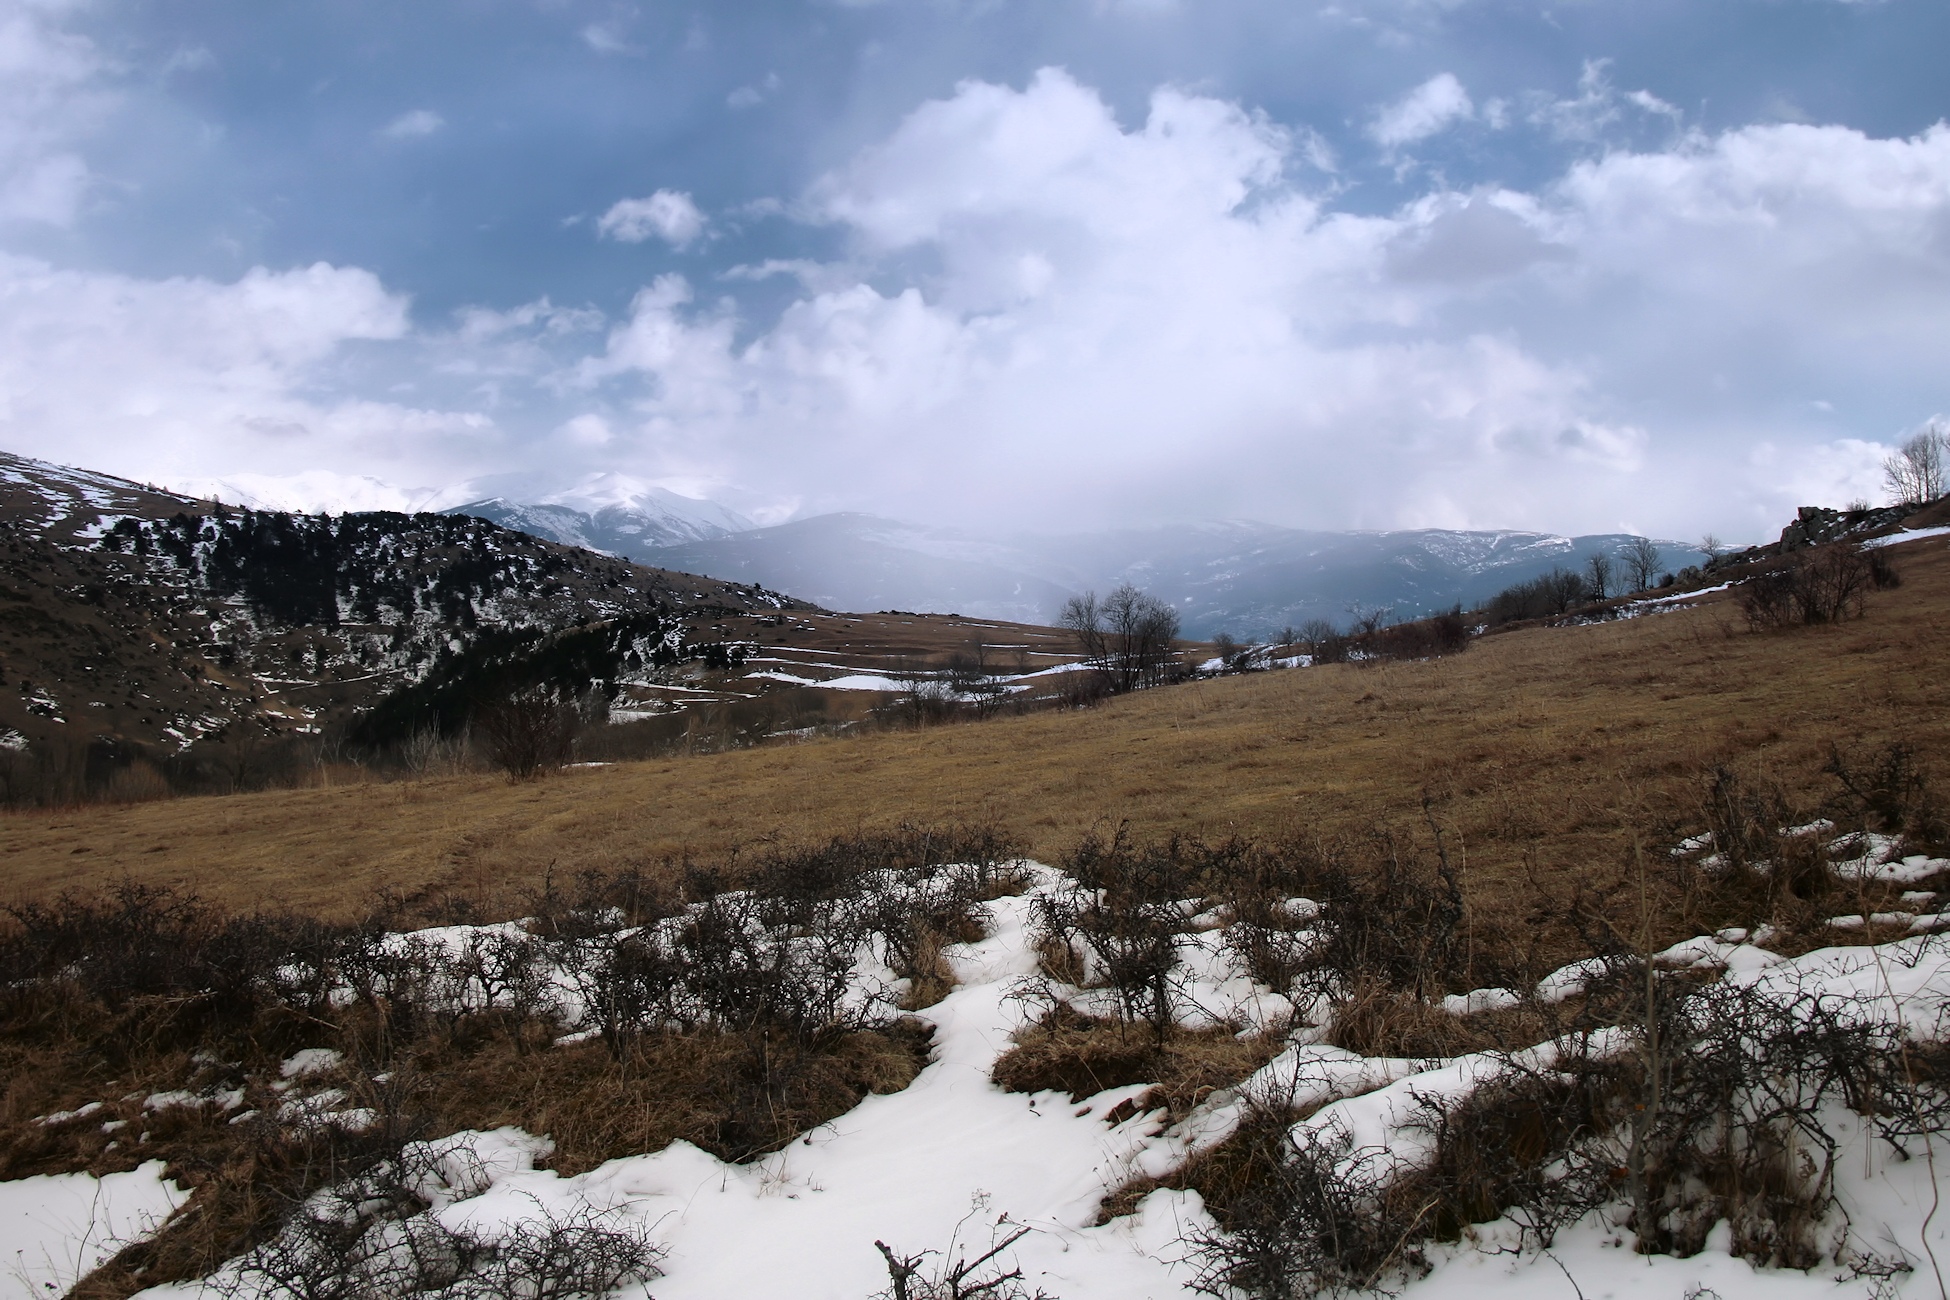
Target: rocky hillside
(136, 617)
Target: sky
(1667, 266)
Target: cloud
(753, 95)
(1597, 108)
(1046, 313)
(608, 38)
(669, 215)
(419, 123)
(1030, 311)
(167, 378)
(53, 95)
(1430, 109)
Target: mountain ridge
(1241, 577)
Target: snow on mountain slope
(45, 498)
(610, 512)
(1245, 578)
(600, 493)
(319, 491)
(603, 512)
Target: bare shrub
(958, 1274)
(973, 679)
(1395, 919)
(736, 1022)
(1304, 1222)
(1549, 595)
(528, 731)
(370, 1237)
(1890, 791)
(1120, 917)
(927, 696)
(1711, 1108)
(1825, 584)
(1439, 634)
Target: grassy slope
(1550, 745)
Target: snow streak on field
(953, 1162)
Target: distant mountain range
(612, 513)
(1248, 579)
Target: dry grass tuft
(1076, 1054)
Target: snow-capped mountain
(609, 512)
(317, 491)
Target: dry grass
(1067, 1052)
(733, 1094)
(1544, 750)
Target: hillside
(147, 629)
(1542, 748)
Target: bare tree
(1367, 621)
(1641, 563)
(1084, 617)
(1713, 546)
(1126, 636)
(1600, 568)
(1914, 474)
(973, 678)
(926, 695)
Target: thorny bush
(958, 1273)
(1316, 921)
(371, 1238)
(1710, 1103)
(1825, 584)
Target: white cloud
(419, 123)
(316, 490)
(753, 95)
(1430, 109)
(166, 378)
(669, 215)
(608, 38)
(1597, 108)
(52, 96)
(1051, 314)
(1042, 315)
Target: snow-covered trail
(904, 1168)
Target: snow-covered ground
(1909, 535)
(55, 1228)
(953, 1163)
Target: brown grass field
(1543, 752)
